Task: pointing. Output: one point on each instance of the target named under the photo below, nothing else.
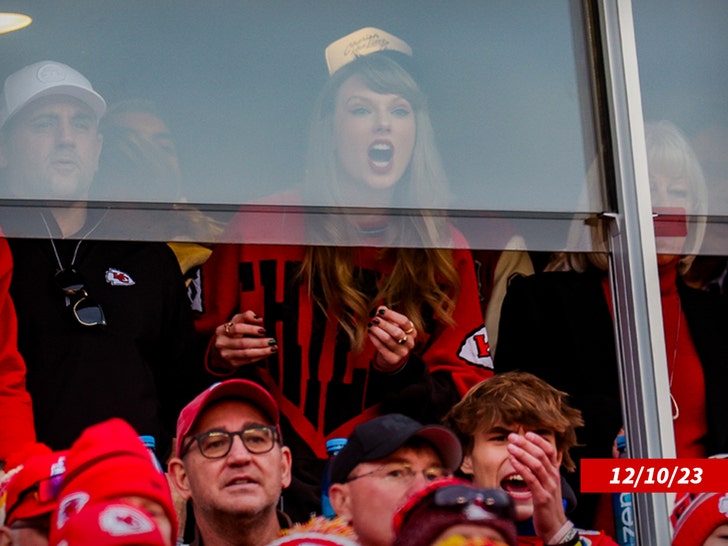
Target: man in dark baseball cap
(385, 461)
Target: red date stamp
(654, 475)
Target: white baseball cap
(43, 79)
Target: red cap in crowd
(240, 389)
(31, 489)
(109, 461)
(110, 523)
(447, 503)
(696, 516)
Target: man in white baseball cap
(47, 78)
(104, 326)
(38, 101)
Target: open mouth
(380, 156)
(514, 483)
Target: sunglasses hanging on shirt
(86, 310)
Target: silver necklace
(673, 402)
(78, 245)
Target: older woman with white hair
(559, 324)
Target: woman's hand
(242, 341)
(394, 337)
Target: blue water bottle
(333, 446)
(622, 504)
(151, 444)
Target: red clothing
(685, 373)
(314, 365)
(588, 538)
(687, 382)
(324, 389)
(16, 410)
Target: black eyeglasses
(215, 444)
(85, 309)
(44, 491)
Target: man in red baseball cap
(231, 464)
(29, 492)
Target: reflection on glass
(514, 124)
(570, 304)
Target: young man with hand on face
(517, 431)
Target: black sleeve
(414, 392)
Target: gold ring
(402, 341)
(228, 325)
(409, 331)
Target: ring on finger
(409, 331)
(228, 326)
(402, 340)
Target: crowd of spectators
(371, 328)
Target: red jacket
(16, 410)
(322, 387)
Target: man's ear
(340, 498)
(286, 461)
(467, 465)
(6, 539)
(178, 477)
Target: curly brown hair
(516, 398)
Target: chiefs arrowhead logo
(115, 277)
(475, 349)
(121, 520)
(69, 506)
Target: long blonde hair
(415, 243)
(670, 153)
(420, 278)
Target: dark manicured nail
(369, 325)
(256, 317)
(261, 331)
(272, 342)
(274, 349)
(375, 320)
(382, 310)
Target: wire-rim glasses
(86, 310)
(215, 444)
(403, 473)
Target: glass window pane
(683, 78)
(507, 84)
